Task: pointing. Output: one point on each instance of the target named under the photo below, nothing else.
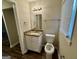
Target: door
(10, 24)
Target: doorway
(10, 26)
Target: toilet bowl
(49, 47)
(49, 50)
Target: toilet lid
(49, 48)
(51, 35)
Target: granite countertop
(33, 33)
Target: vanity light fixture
(31, 0)
(38, 9)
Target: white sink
(35, 33)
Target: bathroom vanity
(34, 40)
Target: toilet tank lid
(51, 35)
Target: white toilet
(49, 47)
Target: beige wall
(51, 10)
(69, 51)
(23, 12)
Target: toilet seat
(49, 48)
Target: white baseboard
(11, 46)
(23, 52)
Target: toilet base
(48, 56)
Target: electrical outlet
(62, 57)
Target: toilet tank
(50, 38)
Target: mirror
(39, 21)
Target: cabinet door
(28, 42)
(36, 44)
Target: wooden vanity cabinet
(34, 43)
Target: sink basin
(34, 33)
